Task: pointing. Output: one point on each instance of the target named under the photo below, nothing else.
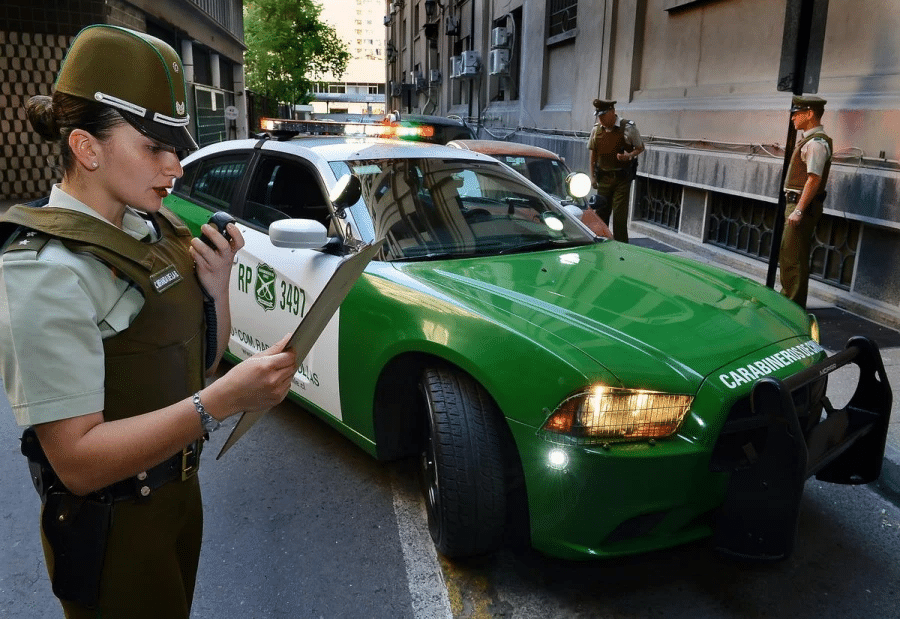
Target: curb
(888, 484)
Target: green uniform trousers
(794, 257)
(151, 557)
(616, 189)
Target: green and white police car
(591, 397)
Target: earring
(94, 164)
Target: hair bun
(39, 110)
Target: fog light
(558, 459)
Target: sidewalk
(837, 325)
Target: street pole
(804, 34)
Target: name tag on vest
(165, 279)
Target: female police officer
(102, 335)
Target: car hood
(637, 312)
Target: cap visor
(177, 137)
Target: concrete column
(187, 59)
(240, 102)
(215, 70)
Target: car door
(272, 288)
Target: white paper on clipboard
(313, 323)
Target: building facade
(34, 37)
(360, 90)
(701, 80)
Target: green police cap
(807, 103)
(139, 75)
(603, 105)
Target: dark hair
(55, 118)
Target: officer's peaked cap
(139, 75)
(808, 102)
(603, 105)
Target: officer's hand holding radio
(214, 253)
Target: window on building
(202, 66)
(562, 18)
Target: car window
(284, 189)
(214, 180)
(442, 135)
(432, 208)
(186, 182)
(548, 174)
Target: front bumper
(740, 482)
(785, 432)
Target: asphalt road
(302, 524)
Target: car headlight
(602, 414)
(814, 328)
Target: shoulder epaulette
(27, 240)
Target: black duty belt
(182, 465)
(794, 196)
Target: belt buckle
(190, 461)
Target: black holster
(76, 528)
(631, 170)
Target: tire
(462, 465)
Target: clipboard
(312, 325)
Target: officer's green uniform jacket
(154, 361)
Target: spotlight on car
(579, 184)
(558, 459)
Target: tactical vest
(158, 359)
(797, 174)
(607, 144)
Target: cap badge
(179, 108)
(175, 67)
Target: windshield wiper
(443, 255)
(542, 244)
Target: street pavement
(837, 323)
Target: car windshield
(431, 208)
(548, 174)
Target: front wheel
(462, 465)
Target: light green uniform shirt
(815, 153)
(632, 135)
(55, 309)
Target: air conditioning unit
(455, 66)
(388, 19)
(500, 37)
(395, 89)
(498, 62)
(419, 80)
(471, 64)
(434, 76)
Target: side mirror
(298, 234)
(346, 191)
(578, 184)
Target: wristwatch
(209, 423)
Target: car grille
(744, 434)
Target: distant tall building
(360, 90)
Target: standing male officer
(804, 191)
(614, 145)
